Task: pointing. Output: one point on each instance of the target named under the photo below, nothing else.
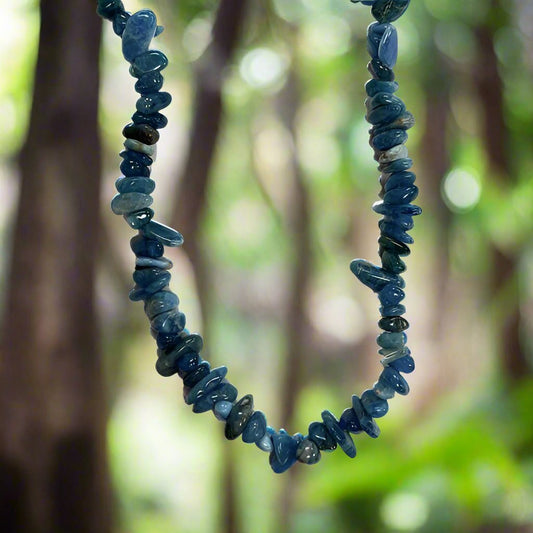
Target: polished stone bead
(196, 375)
(374, 35)
(183, 343)
(223, 392)
(390, 340)
(372, 276)
(383, 390)
(395, 380)
(392, 263)
(383, 109)
(394, 210)
(386, 140)
(393, 323)
(150, 82)
(133, 155)
(138, 219)
(308, 452)
(141, 132)
(256, 428)
(150, 61)
(380, 71)
(399, 180)
(398, 165)
(284, 454)
(391, 294)
(222, 409)
(403, 122)
(160, 302)
(150, 150)
(402, 195)
(163, 262)
(135, 184)
(349, 421)
(141, 293)
(388, 46)
(392, 310)
(392, 245)
(206, 384)
(344, 440)
(167, 342)
(396, 152)
(152, 103)
(374, 87)
(405, 364)
(238, 418)
(321, 436)
(109, 8)
(404, 221)
(375, 406)
(265, 444)
(139, 31)
(167, 365)
(119, 22)
(170, 322)
(396, 232)
(129, 168)
(156, 120)
(393, 353)
(147, 276)
(122, 204)
(166, 235)
(367, 422)
(142, 246)
(389, 10)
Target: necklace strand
(207, 389)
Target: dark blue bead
(383, 390)
(388, 46)
(139, 157)
(150, 61)
(374, 87)
(397, 180)
(149, 83)
(167, 364)
(239, 417)
(109, 8)
(389, 10)
(141, 293)
(372, 276)
(143, 133)
(397, 165)
(374, 35)
(388, 244)
(391, 340)
(405, 364)
(319, 434)
(388, 139)
(392, 310)
(396, 232)
(156, 120)
(139, 31)
(284, 454)
(383, 109)
(393, 323)
(182, 344)
(119, 22)
(404, 221)
(391, 294)
(164, 234)
(135, 184)
(160, 302)
(222, 392)
(344, 440)
(194, 376)
(162, 262)
(138, 219)
(395, 380)
(394, 210)
(134, 168)
(169, 322)
(123, 204)
(365, 420)
(380, 71)
(206, 384)
(142, 246)
(350, 422)
(375, 406)
(152, 103)
(146, 276)
(404, 195)
(392, 263)
(255, 429)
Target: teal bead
(139, 31)
(343, 438)
(265, 444)
(135, 184)
(372, 276)
(150, 61)
(391, 340)
(255, 430)
(206, 384)
(122, 204)
(138, 219)
(160, 302)
(137, 146)
(389, 10)
(222, 409)
(141, 132)
(396, 232)
(222, 392)
(164, 234)
(150, 82)
(239, 417)
(162, 262)
(393, 378)
(152, 103)
(321, 436)
(308, 452)
(375, 406)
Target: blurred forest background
(265, 168)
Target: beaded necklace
(178, 352)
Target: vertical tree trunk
(53, 473)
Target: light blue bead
(388, 47)
(372, 276)
(222, 409)
(375, 406)
(139, 31)
(147, 149)
(391, 340)
(265, 443)
(164, 234)
(393, 378)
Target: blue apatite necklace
(206, 388)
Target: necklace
(207, 389)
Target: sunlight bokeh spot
(196, 37)
(262, 68)
(404, 511)
(461, 190)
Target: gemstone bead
(256, 428)
(138, 219)
(391, 294)
(283, 455)
(141, 132)
(239, 417)
(135, 184)
(156, 120)
(150, 150)
(343, 438)
(392, 377)
(109, 8)
(160, 302)
(391, 340)
(380, 71)
(122, 204)
(147, 276)
(395, 231)
(402, 195)
(388, 47)
(152, 103)
(265, 444)
(350, 422)
(139, 31)
(196, 375)
(392, 154)
(375, 406)
(374, 87)
(396, 166)
(223, 392)
(392, 263)
(388, 139)
(374, 35)
(129, 167)
(392, 245)
(394, 210)
(383, 108)
(372, 276)
(163, 262)
(222, 409)
(119, 22)
(166, 235)
(365, 420)
(169, 322)
(389, 10)
(321, 436)
(206, 384)
(392, 310)
(150, 61)
(142, 246)
(405, 364)
(150, 82)
(393, 323)
(141, 293)
(168, 365)
(308, 452)
(383, 390)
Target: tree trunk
(53, 471)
